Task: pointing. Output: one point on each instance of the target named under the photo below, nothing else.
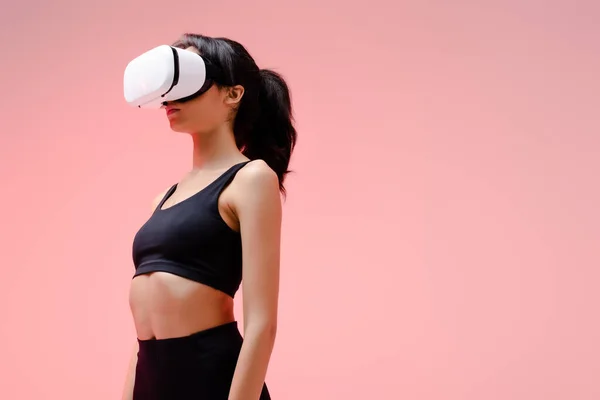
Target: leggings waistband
(228, 331)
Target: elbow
(266, 330)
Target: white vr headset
(166, 74)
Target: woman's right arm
(130, 377)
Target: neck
(214, 150)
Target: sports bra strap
(166, 196)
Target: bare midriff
(164, 306)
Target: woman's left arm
(259, 212)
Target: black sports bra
(191, 239)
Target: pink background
(442, 226)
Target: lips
(171, 111)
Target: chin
(185, 129)
(179, 127)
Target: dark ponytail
(273, 136)
(263, 126)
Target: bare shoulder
(256, 177)
(257, 185)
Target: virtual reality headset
(166, 74)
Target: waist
(165, 305)
(227, 333)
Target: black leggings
(199, 366)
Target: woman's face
(206, 113)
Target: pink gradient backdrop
(442, 226)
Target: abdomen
(165, 305)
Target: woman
(219, 223)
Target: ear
(234, 95)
